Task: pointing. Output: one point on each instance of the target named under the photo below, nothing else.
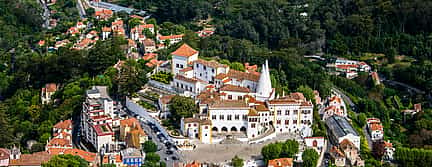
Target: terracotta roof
(336, 98)
(186, 79)
(166, 99)
(88, 156)
(162, 38)
(142, 26)
(134, 124)
(388, 144)
(106, 29)
(293, 98)
(205, 122)
(66, 124)
(185, 51)
(193, 164)
(221, 76)
(35, 159)
(58, 142)
(376, 127)
(149, 42)
(212, 63)
(346, 143)
(190, 120)
(242, 75)
(253, 112)
(281, 162)
(208, 97)
(336, 152)
(103, 129)
(41, 42)
(233, 88)
(261, 108)
(348, 66)
(231, 104)
(186, 69)
(50, 87)
(4, 153)
(137, 17)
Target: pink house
(4, 157)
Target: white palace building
(232, 101)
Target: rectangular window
(229, 117)
(205, 127)
(197, 65)
(244, 117)
(240, 97)
(286, 112)
(295, 112)
(253, 125)
(294, 121)
(230, 97)
(278, 122)
(213, 117)
(286, 122)
(279, 112)
(213, 70)
(236, 117)
(221, 117)
(181, 66)
(177, 65)
(205, 68)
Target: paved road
(346, 98)
(162, 149)
(46, 13)
(81, 9)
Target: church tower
(264, 90)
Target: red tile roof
(162, 38)
(88, 156)
(213, 64)
(281, 162)
(185, 51)
(58, 142)
(233, 88)
(166, 99)
(35, 159)
(243, 75)
(67, 124)
(4, 153)
(103, 129)
(193, 164)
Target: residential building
(106, 31)
(338, 157)
(182, 57)
(316, 143)
(132, 133)
(4, 157)
(47, 92)
(351, 152)
(138, 30)
(30, 160)
(336, 106)
(281, 162)
(132, 157)
(388, 151)
(103, 14)
(97, 116)
(340, 129)
(173, 39)
(149, 45)
(375, 129)
(90, 157)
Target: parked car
(169, 152)
(174, 158)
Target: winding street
(46, 13)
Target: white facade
(97, 116)
(291, 117)
(181, 62)
(352, 138)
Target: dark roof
(340, 126)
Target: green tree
(271, 151)
(289, 149)
(310, 158)
(149, 146)
(307, 92)
(152, 157)
(237, 66)
(66, 160)
(237, 162)
(181, 106)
